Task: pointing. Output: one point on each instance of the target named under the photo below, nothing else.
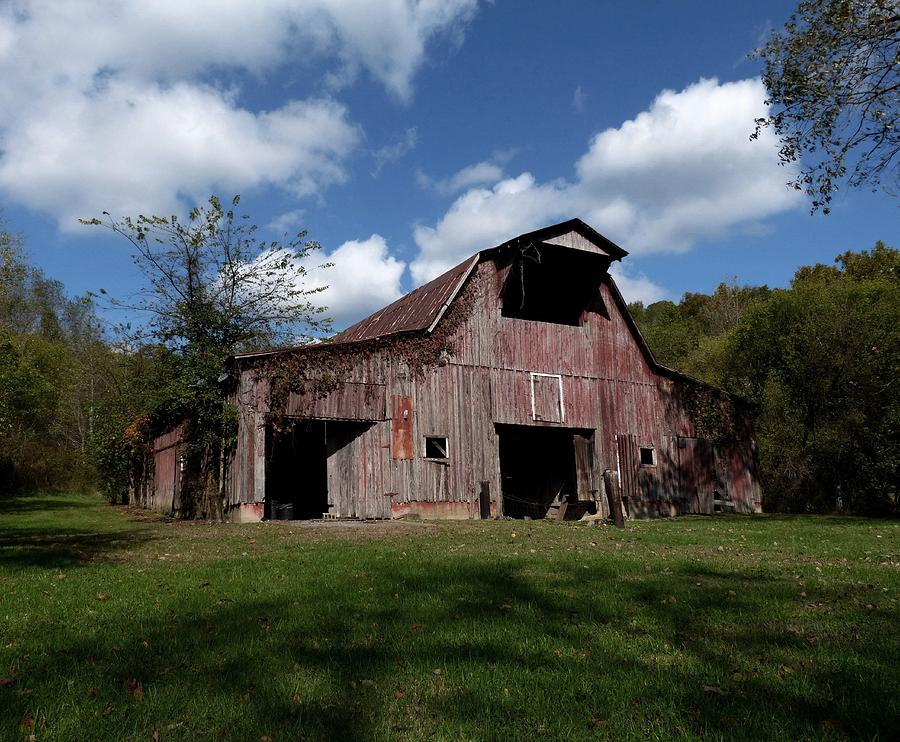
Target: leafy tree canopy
(833, 77)
(212, 288)
(821, 359)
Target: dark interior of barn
(296, 472)
(538, 472)
(547, 284)
(297, 463)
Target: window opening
(435, 447)
(551, 284)
(648, 456)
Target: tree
(51, 353)
(833, 80)
(213, 288)
(820, 359)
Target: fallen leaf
(295, 698)
(136, 689)
(27, 723)
(366, 683)
(102, 596)
(670, 600)
(417, 626)
(714, 689)
(7, 681)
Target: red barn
(515, 384)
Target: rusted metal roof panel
(413, 312)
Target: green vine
(712, 412)
(318, 370)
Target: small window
(435, 447)
(648, 456)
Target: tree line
(79, 400)
(821, 361)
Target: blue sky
(405, 135)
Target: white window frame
(562, 403)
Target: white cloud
(397, 150)
(110, 104)
(482, 218)
(637, 287)
(579, 99)
(364, 277)
(687, 166)
(682, 171)
(287, 223)
(136, 149)
(481, 173)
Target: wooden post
(484, 499)
(614, 498)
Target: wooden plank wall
(608, 387)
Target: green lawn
(116, 625)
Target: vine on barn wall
(712, 413)
(318, 370)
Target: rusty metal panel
(697, 471)
(402, 429)
(414, 311)
(627, 466)
(349, 401)
(584, 455)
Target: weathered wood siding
(594, 377)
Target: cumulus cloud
(484, 217)
(637, 287)
(364, 277)
(111, 105)
(682, 171)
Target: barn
(516, 384)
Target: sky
(405, 135)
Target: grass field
(116, 625)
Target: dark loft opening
(435, 447)
(539, 471)
(648, 457)
(552, 284)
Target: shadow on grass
(580, 654)
(27, 539)
(18, 504)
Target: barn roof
(422, 308)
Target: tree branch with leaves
(833, 81)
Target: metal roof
(415, 311)
(421, 309)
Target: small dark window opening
(648, 457)
(435, 447)
(552, 284)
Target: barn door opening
(310, 468)
(296, 474)
(546, 472)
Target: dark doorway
(296, 472)
(540, 474)
(298, 486)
